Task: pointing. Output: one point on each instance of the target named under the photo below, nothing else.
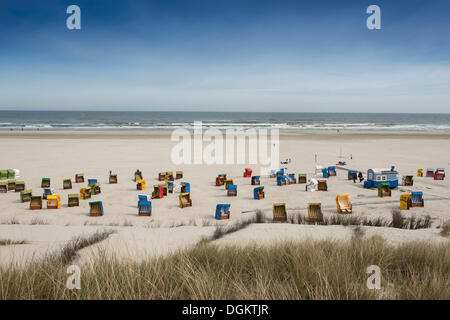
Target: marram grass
(285, 270)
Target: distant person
(360, 176)
(351, 157)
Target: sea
(160, 121)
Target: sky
(226, 55)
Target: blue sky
(225, 55)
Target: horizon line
(198, 111)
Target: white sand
(61, 155)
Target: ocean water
(155, 120)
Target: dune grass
(9, 242)
(284, 270)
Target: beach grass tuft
(283, 270)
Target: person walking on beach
(360, 176)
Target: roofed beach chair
(96, 209)
(185, 200)
(145, 208)
(343, 203)
(165, 188)
(384, 190)
(185, 187)
(220, 179)
(405, 201)
(11, 185)
(248, 173)
(12, 173)
(85, 193)
(273, 174)
(408, 180)
(113, 178)
(73, 200)
(35, 203)
(141, 185)
(302, 178)
(281, 180)
(53, 201)
(439, 174)
(291, 178)
(3, 174)
(325, 172)
(143, 197)
(67, 184)
(228, 182)
(45, 183)
(170, 185)
(95, 189)
(20, 186)
(158, 192)
(420, 172)
(258, 193)
(169, 176)
(322, 185)
(162, 176)
(222, 211)
(3, 187)
(430, 173)
(232, 190)
(79, 178)
(47, 192)
(417, 199)
(315, 212)
(352, 175)
(179, 175)
(138, 175)
(91, 182)
(256, 181)
(279, 212)
(332, 171)
(25, 195)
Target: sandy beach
(60, 155)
